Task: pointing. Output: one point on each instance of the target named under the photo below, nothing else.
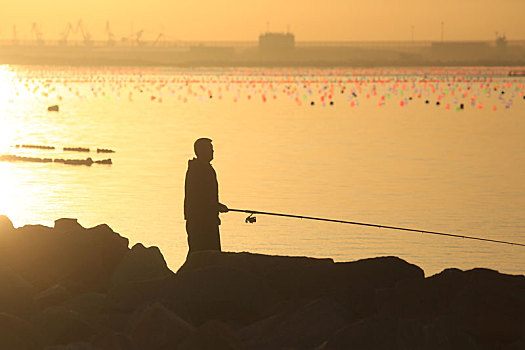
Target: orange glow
(245, 20)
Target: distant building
(276, 42)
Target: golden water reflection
(417, 166)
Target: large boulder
(5, 225)
(52, 296)
(139, 279)
(73, 346)
(61, 326)
(353, 284)
(485, 304)
(113, 341)
(489, 306)
(141, 264)
(158, 328)
(304, 326)
(16, 294)
(387, 333)
(212, 335)
(219, 292)
(80, 259)
(130, 296)
(258, 264)
(91, 307)
(16, 333)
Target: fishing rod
(251, 219)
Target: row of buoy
(65, 149)
(76, 149)
(35, 147)
(88, 161)
(304, 86)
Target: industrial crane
(501, 40)
(65, 34)
(135, 37)
(37, 33)
(111, 37)
(79, 28)
(15, 36)
(84, 32)
(159, 37)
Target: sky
(215, 20)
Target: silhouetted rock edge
(85, 288)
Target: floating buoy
(76, 149)
(104, 150)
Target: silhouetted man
(201, 201)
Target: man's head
(203, 149)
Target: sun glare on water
(11, 200)
(7, 127)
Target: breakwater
(75, 287)
(31, 159)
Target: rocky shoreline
(76, 288)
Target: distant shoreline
(211, 56)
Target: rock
(299, 277)
(16, 295)
(16, 333)
(113, 341)
(517, 345)
(212, 335)
(158, 328)
(73, 346)
(52, 296)
(490, 306)
(60, 326)
(293, 278)
(483, 303)
(127, 297)
(92, 307)
(5, 224)
(258, 264)
(140, 264)
(92, 291)
(219, 292)
(421, 298)
(384, 333)
(79, 259)
(306, 326)
(67, 224)
(110, 245)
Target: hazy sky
(245, 20)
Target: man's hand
(223, 208)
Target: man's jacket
(201, 201)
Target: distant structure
(501, 40)
(460, 50)
(279, 49)
(276, 42)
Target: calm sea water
(362, 145)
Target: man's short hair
(200, 144)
